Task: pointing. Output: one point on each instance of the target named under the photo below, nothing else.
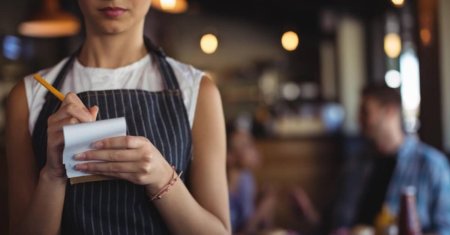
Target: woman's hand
(130, 158)
(72, 111)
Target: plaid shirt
(418, 165)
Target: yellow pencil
(49, 87)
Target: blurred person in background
(248, 214)
(252, 209)
(389, 161)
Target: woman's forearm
(184, 215)
(44, 213)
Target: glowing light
(410, 90)
(50, 28)
(398, 3)
(392, 45)
(290, 41)
(209, 43)
(11, 47)
(409, 68)
(393, 79)
(50, 21)
(290, 91)
(168, 4)
(171, 6)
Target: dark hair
(383, 94)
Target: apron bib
(118, 206)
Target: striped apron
(118, 206)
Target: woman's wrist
(168, 186)
(165, 177)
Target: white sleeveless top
(143, 74)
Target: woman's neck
(112, 51)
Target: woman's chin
(112, 29)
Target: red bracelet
(167, 187)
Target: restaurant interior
(290, 72)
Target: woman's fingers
(115, 167)
(122, 142)
(55, 133)
(128, 155)
(94, 112)
(73, 107)
(70, 110)
(76, 111)
(130, 158)
(57, 126)
(72, 98)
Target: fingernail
(80, 156)
(98, 145)
(80, 167)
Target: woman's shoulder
(186, 74)
(35, 93)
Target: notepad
(78, 138)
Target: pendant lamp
(51, 21)
(170, 6)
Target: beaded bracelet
(167, 187)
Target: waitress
(175, 124)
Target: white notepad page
(78, 138)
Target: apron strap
(62, 74)
(166, 70)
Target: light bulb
(209, 43)
(290, 41)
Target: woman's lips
(113, 12)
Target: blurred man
(390, 161)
